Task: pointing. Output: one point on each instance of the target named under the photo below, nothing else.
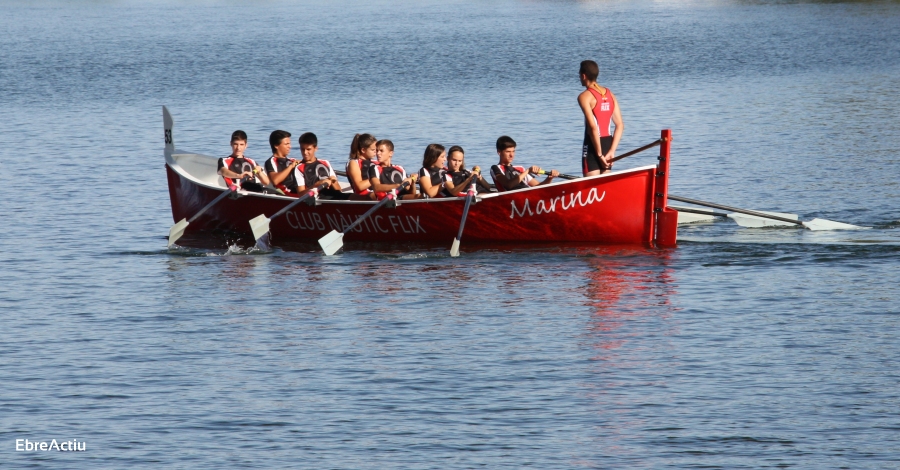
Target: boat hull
(627, 207)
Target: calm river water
(741, 348)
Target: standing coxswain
(600, 108)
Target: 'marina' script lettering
(545, 206)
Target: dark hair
(276, 137)
(457, 148)
(360, 141)
(432, 153)
(590, 69)
(386, 143)
(504, 142)
(238, 135)
(309, 138)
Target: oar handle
(311, 193)
(374, 208)
(340, 173)
(733, 209)
(231, 189)
(638, 150)
(561, 175)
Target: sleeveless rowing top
(364, 166)
(458, 178)
(603, 110)
(437, 177)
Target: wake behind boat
(625, 207)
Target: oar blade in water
(752, 221)
(332, 242)
(454, 249)
(822, 224)
(177, 231)
(260, 227)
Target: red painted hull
(612, 209)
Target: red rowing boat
(625, 207)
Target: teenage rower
(460, 177)
(508, 177)
(314, 170)
(433, 176)
(240, 171)
(386, 177)
(362, 153)
(280, 168)
(600, 108)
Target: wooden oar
(177, 230)
(815, 224)
(260, 223)
(334, 240)
(470, 195)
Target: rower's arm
(381, 187)
(462, 187)
(620, 128)
(432, 190)
(354, 175)
(261, 174)
(278, 177)
(587, 102)
(510, 183)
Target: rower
(433, 176)
(240, 171)
(600, 107)
(460, 177)
(386, 177)
(362, 153)
(280, 168)
(315, 170)
(508, 177)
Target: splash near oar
(815, 224)
(470, 195)
(260, 223)
(177, 230)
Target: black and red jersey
(238, 165)
(289, 184)
(364, 166)
(315, 171)
(510, 172)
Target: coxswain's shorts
(590, 159)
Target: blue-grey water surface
(741, 348)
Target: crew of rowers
(373, 175)
(370, 170)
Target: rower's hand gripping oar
(815, 224)
(177, 230)
(470, 195)
(260, 223)
(334, 240)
